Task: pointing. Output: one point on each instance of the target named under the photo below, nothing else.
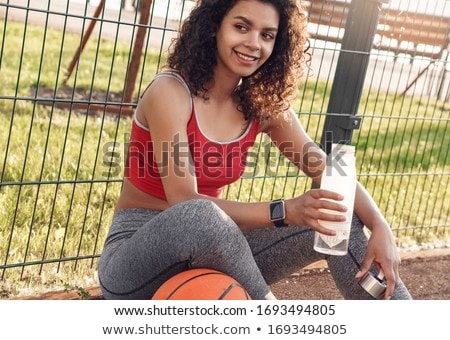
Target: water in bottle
(339, 176)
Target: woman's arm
(382, 250)
(294, 142)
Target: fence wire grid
(71, 73)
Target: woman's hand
(382, 252)
(306, 210)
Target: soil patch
(425, 273)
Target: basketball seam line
(230, 287)
(192, 278)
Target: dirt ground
(425, 273)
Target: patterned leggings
(145, 247)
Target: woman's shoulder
(167, 80)
(165, 95)
(167, 85)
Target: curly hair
(268, 91)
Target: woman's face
(246, 37)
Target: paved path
(113, 23)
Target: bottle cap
(374, 285)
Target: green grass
(59, 185)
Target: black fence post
(360, 29)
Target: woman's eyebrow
(250, 23)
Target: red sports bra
(216, 164)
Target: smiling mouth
(246, 57)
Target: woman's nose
(253, 41)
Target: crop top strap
(175, 75)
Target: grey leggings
(145, 247)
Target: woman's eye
(241, 27)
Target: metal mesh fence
(71, 73)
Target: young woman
(230, 76)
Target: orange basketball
(201, 284)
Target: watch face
(276, 211)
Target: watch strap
(279, 223)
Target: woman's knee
(214, 225)
(205, 211)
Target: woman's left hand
(382, 252)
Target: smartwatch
(277, 213)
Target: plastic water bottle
(339, 176)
